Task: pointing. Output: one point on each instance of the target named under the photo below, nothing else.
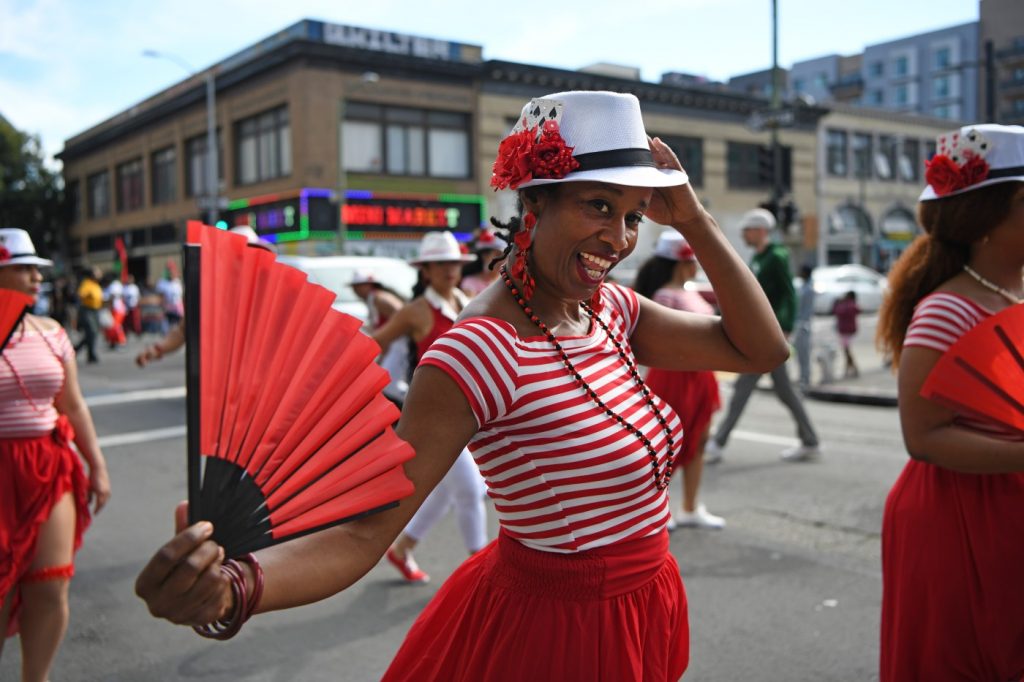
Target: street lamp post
(212, 181)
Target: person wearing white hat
(423, 320)
(770, 265)
(482, 273)
(692, 394)
(539, 377)
(952, 603)
(44, 491)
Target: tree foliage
(32, 196)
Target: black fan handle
(191, 324)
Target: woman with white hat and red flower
(693, 395)
(44, 492)
(539, 377)
(423, 320)
(952, 550)
(490, 250)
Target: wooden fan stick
(191, 324)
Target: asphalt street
(789, 591)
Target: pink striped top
(939, 320)
(38, 358)
(564, 476)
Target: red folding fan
(288, 431)
(13, 306)
(982, 374)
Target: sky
(66, 65)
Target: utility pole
(776, 105)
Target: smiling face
(583, 230)
(23, 278)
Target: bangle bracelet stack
(245, 604)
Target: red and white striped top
(939, 320)
(564, 476)
(37, 358)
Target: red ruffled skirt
(35, 473)
(953, 576)
(694, 397)
(514, 613)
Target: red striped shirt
(939, 320)
(564, 476)
(37, 358)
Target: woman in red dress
(44, 493)
(952, 549)
(539, 378)
(693, 395)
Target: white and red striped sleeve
(624, 302)
(481, 356)
(940, 319)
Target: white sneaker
(671, 525)
(801, 453)
(700, 518)
(712, 452)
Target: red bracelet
(245, 605)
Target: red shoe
(408, 568)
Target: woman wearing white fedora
(44, 492)
(423, 320)
(539, 377)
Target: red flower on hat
(946, 176)
(5, 255)
(532, 153)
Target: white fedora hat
(16, 248)
(972, 157)
(440, 247)
(673, 246)
(577, 136)
(362, 277)
(251, 237)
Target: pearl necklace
(1012, 298)
(661, 478)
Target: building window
(876, 98)
(940, 87)
(690, 151)
(901, 66)
(929, 150)
(942, 58)
(195, 165)
(129, 186)
(751, 166)
(98, 186)
(165, 171)
(263, 148)
(838, 149)
(900, 95)
(73, 196)
(885, 162)
(941, 111)
(910, 161)
(798, 84)
(877, 69)
(405, 141)
(1018, 106)
(861, 155)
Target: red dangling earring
(523, 240)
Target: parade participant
(90, 301)
(952, 601)
(490, 248)
(693, 395)
(846, 311)
(539, 378)
(424, 319)
(381, 301)
(44, 493)
(804, 325)
(771, 265)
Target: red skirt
(514, 613)
(693, 396)
(952, 581)
(35, 473)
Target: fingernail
(206, 528)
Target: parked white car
(834, 281)
(336, 272)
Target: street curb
(857, 396)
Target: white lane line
(764, 438)
(136, 396)
(133, 437)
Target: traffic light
(765, 167)
(789, 214)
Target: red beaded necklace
(661, 478)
